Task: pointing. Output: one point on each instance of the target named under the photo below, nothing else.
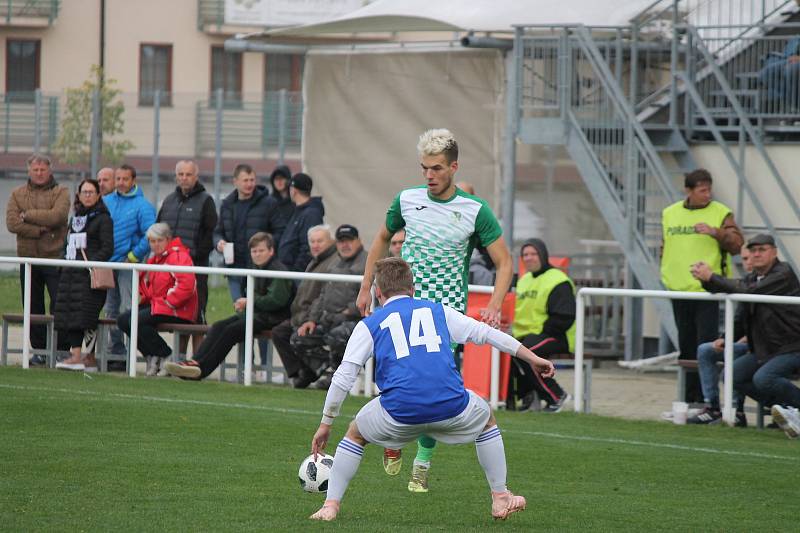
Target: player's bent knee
(354, 435)
(490, 423)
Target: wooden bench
(690, 365)
(49, 350)
(563, 360)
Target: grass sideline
(112, 453)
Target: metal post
(37, 121)
(95, 132)
(248, 332)
(218, 148)
(513, 63)
(134, 336)
(282, 124)
(156, 141)
(634, 90)
(494, 379)
(673, 67)
(580, 311)
(26, 316)
(728, 411)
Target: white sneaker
(71, 366)
(161, 364)
(152, 365)
(788, 418)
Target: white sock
(345, 464)
(492, 457)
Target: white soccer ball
(314, 475)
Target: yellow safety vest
(530, 309)
(683, 246)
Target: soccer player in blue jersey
(421, 390)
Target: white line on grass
(654, 445)
(207, 403)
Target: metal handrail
(728, 411)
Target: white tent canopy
(474, 15)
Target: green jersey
(440, 237)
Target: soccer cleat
(559, 405)
(419, 478)
(327, 512)
(706, 416)
(788, 418)
(392, 461)
(184, 369)
(506, 503)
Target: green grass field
(112, 453)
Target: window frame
(238, 96)
(38, 61)
(166, 99)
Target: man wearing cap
(293, 248)
(696, 229)
(773, 331)
(333, 313)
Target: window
(226, 74)
(155, 73)
(283, 71)
(22, 69)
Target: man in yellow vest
(544, 321)
(697, 229)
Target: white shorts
(378, 427)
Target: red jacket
(170, 293)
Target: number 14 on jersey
(422, 332)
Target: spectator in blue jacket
(279, 181)
(293, 250)
(249, 209)
(780, 76)
(132, 214)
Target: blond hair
(438, 141)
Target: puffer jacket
(78, 305)
(46, 206)
(132, 215)
(170, 293)
(336, 302)
(257, 218)
(771, 329)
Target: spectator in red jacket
(164, 297)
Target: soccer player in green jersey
(443, 224)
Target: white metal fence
(250, 274)
(728, 411)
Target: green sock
(425, 447)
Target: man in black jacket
(270, 307)
(191, 214)
(773, 332)
(308, 212)
(279, 181)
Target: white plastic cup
(227, 253)
(680, 410)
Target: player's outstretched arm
(501, 256)
(544, 367)
(378, 250)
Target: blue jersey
(414, 366)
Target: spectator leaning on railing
(270, 307)
(132, 215)
(773, 332)
(166, 297)
(323, 257)
(90, 237)
(37, 214)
